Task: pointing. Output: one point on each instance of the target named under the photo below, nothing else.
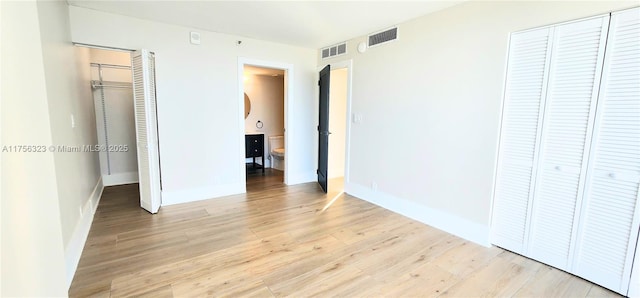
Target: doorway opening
(124, 97)
(264, 89)
(334, 127)
(111, 85)
(264, 122)
(338, 120)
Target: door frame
(288, 113)
(348, 64)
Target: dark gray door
(323, 128)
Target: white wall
(266, 94)
(430, 104)
(69, 95)
(337, 121)
(110, 57)
(119, 167)
(197, 93)
(32, 233)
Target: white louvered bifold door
(574, 76)
(609, 221)
(144, 90)
(523, 101)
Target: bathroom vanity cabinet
(254, 147)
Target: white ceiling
(310, 24)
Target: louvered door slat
(524, 97)
(141, 128)
(577, 54)
(143, 66)
(609, 220)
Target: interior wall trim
(74, 248)
(201, 193)
(120, 178)
(450, 223)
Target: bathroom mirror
(247, 106)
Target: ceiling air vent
(334, 50)
(383, 37)
(325, 53)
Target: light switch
(73, 121)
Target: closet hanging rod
(109, 86)
(106, 84)
(110, 66)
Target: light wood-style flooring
(276, 240)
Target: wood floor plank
(357, 231)
(292, 270)
(208, 264)
(254, 289)
(257, 293)
(502, 277)
(161, 292)
(314, 278)
(466, 258)
(600, 292)
(427, 280)
(101, 289)
(344, 284)
(278, 240)
(227, 284)
(551, 282)
(413, 263)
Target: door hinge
(317, 171)
(318, 127)
(318, 82)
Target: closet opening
(123, 85)
(567, 183)
(111, 85)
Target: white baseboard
(298, 178)
(74, 249)
(202, 193)
(120, 178)
(447, 222)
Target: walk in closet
(568, 178)
(113, 99)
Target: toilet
(276, 152)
